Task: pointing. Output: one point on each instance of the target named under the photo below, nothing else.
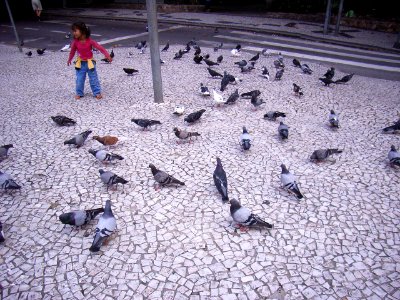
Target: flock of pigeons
(240, 214)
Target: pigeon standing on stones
(197, 59)
(394, 156)
(4, 150)
(224, 82)
(214, 73)
(245, 139)
(80, 217)
(79, 139)
(112, 53)
(166, 47)
(218, 98)
(162, 178)
(194, 116)
(104, 156)
(179, 110)
(265, 72)
(288, 181)
(323, 154)
(247, 68)
(198, 51)
(264, 52)
(105, 227)
(233, 97)
(256, 102)
(219, 59)
(2, 237)
(210, 63)
(41, 51)
(330, 73)
(297, 90)
(251, 94)
(7, 183)
(145, 123)
(278, 64)
(244, 217)
(29, 53)
(241, 63)
(220, 180)
(183, 134)
(326, 81)
(272, 115)
(110, 178)
(255, 58)
(345, 79)
(106, 140)
(130, 71)
(333, 119)
(235, 52)
(279, 74)
(283, 131)
(63, 120)
(393, 128)
(296, 63)
(306, 69)
(204, 91)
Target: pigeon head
(332, 112)
(219, 161)
(284, 169)
(93, 152)
(235, 205)
(245, 130)
(176, 129)
(101, 171)
(8, 146)
(96, 137)
(393, 148)
(153, 169)
(107, 207)
(67, 218)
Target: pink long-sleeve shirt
(85, 49)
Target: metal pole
(339, 16)
(327, 16)
(151, 7)
(64, 4)
(13, 25)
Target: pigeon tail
(395, 161)
(261, 222)
(176, 181)
(10, 184)
(116, 156)
(246, 144)
(70, 142)
(298, 194)
(97, 243)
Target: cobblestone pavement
(340, 242)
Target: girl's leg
(94, 83)
(80, 80)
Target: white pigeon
(66, 48)
(218, 98)
(235, 52)
(179, 110)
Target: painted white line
(136, 35)
(57, 22)
(313, 49)
(315, 43)
(328, 59)
(30, 28)
(94, 34)
(33, 40)
(9, 26)
(59, 31)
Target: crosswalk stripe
(329, 59)
(349, 55)
(58, 31)
(30, 28)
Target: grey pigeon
(280, 57)
(306, 69)
(166, 47)
(145, 123)
(80, 217)
(330, 73)
(264, 52)
(393, 128)
(296, 63)
(255, 58)
(194, 116)
(247, 69)
(283, 131)
(241, 63)
(214, 73)
(105, 227)
(79, 139)
(345, 79)
(224, 82)
(297, 90)
(245, 139)
(394, 156)
(219, 59)
(220, 180)
(198, 51)
(251, 94)
(272, 115)
(245, 218)
(233, 97)
(61, 120)
(288, 181)
(326, 81)
(183, 135)
(197, 59)
(256, 102)
(322, 154)
(162, 178)
(104, 156)
(7, 183)
(2, 238)
(333, 119)
(278, 64)
(279, 74)
(265, 72)
(109, 178)
(4, 150)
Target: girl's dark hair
(82, 28)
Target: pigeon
(207, 56)
(255, 58)
(66, 48)
(112, 53)
(214, 73)
(264, 52)
(130, 54)
(330, 73)
(63, 120)
(216, 30)
(219, 59)
(232, 79)
(272, 115)
(204, 90)
(288, 181)
(194, 116)
(110, 178)
(179, 110)
(278, 64)
(297, 90)
(7, 183)
(345, 79)
(145, 123)
(245, 139)
(283, 131)
(322, 154)
(178, 55)
(333, 119)
(210, 63)
(104, 156)
(79, 139)
(130, 71)
(162, 61)
(2, 238)
(251, 94)
(106, 140)
(29, 53)
(296, 63)
(183, 135)
(257, 101)
(187, 49)
(394, 157)
(142, 51)
(220, 180)
(140, 45)
(162, 178)
(80, 217)
(306, 69)
(265, 72)
(4, 150)
(280, 57)
(68, 35)
(279, 74)
(238, 47)
(392, 129)
(218, 98)
(224, 82)
(235, 52)
(105, 60)
(197, 52)
(166, 47)
(233, 97)
(326, 81)
(247, 69)
(41, 51)
(105, 227)
(241, 63)
(245, 218)
(197, 59)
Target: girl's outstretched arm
(101, 49)
(71, 53)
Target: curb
(236, 27)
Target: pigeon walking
(7, 182)
(224, 82)
(2, 237)
(241, 63)
(251, 94)
(330, 73)
(220, 180)
(4, 150)
(106, 140)
(184, 135)
(326, 81)
(255, 58)
(162, 178)
(393, 128)
(219, 59)
(233, 97)
(297, 90)
(345, 79)
(278, 64)
(197, 59)
(130, 71)
(63, 120)
(105, 227)
(41, 51)
(245, 139)
(323, 154)
(333, 119)
(210, 63)
(145, 123)
(166, 47)
(104, 156)
(197, 52)
(80, 217)
(110, 179)
(29, 53)
(256, 102)
(279, 74)
(264, 52)
(245, 218)
(265, 72)
(288, 181)
(194, 116)
(204, 91)
(218, 99)
(179, 110)
(79, 139)
(283, 131)
(272, 115)
(214, 73)
(296, 63)
(394, 157)
(306, 69)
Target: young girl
(85, 62)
